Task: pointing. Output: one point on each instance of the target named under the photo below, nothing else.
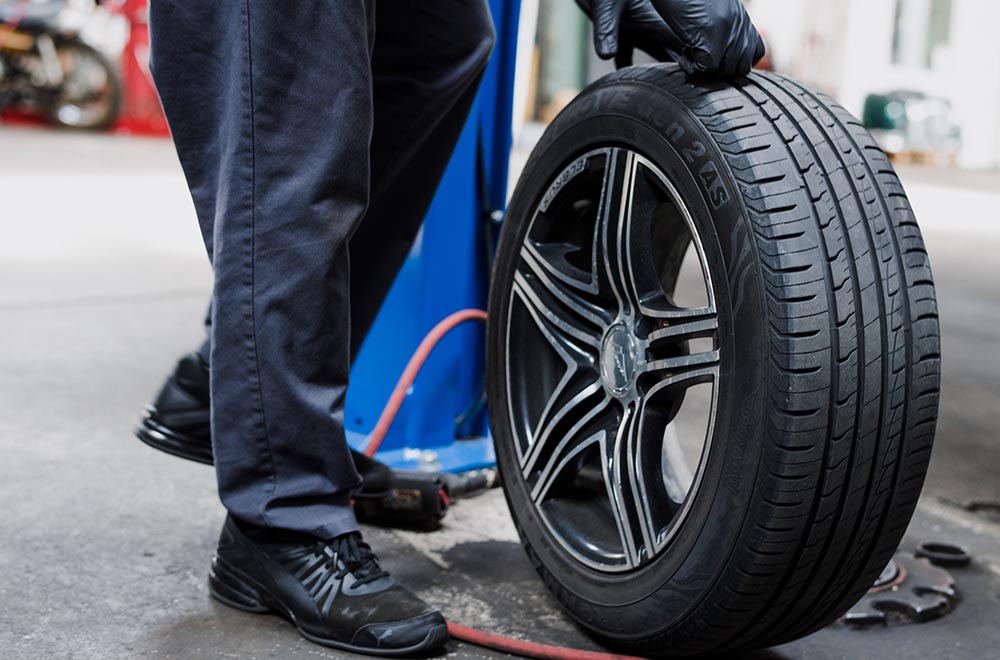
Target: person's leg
(428, 60)
(177, 421)
(270, 106)
(427, 63)
(271, 112)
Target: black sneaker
(333, 591)
(177, 422)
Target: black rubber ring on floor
(944, 554)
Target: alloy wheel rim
(601, 358)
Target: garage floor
(104, 543)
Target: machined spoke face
(604, 344)
(567, 415)
(557, 289)
(611, 241)
(626, 466)
(682, 352)
(547, 462)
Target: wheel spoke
(549, 462)
(655, 215)
(571, 324)
(577, 400)
(572, 340)
(612, 235)
(684, 371)
(630, 466)
(683, 325)
(561, 291)
(668, 348)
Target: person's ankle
(268, 535)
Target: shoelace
(356, 555)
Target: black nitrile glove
(703, 36)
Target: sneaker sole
(162, 438)
(236, 591)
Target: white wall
(845, 48)
(804, 37)
(974, 80)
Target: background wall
(848, 48)
(851, 48)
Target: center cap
(618, 356)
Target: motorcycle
(48, 68)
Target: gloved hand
(703, 36)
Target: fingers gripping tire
(816, 338)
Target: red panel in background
(141, 112)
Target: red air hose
(410, 373)
(464, 633)
(528, 649)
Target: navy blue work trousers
(313, 135)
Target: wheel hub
(619, 352)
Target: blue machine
(442, 425)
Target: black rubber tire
(828, 325)
(50, 108)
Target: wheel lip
(550, 192)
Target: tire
(819, 345)
(64, 113)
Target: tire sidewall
(652, 122)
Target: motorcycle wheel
(90, 97)
(713, 361)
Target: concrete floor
(104, 543)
